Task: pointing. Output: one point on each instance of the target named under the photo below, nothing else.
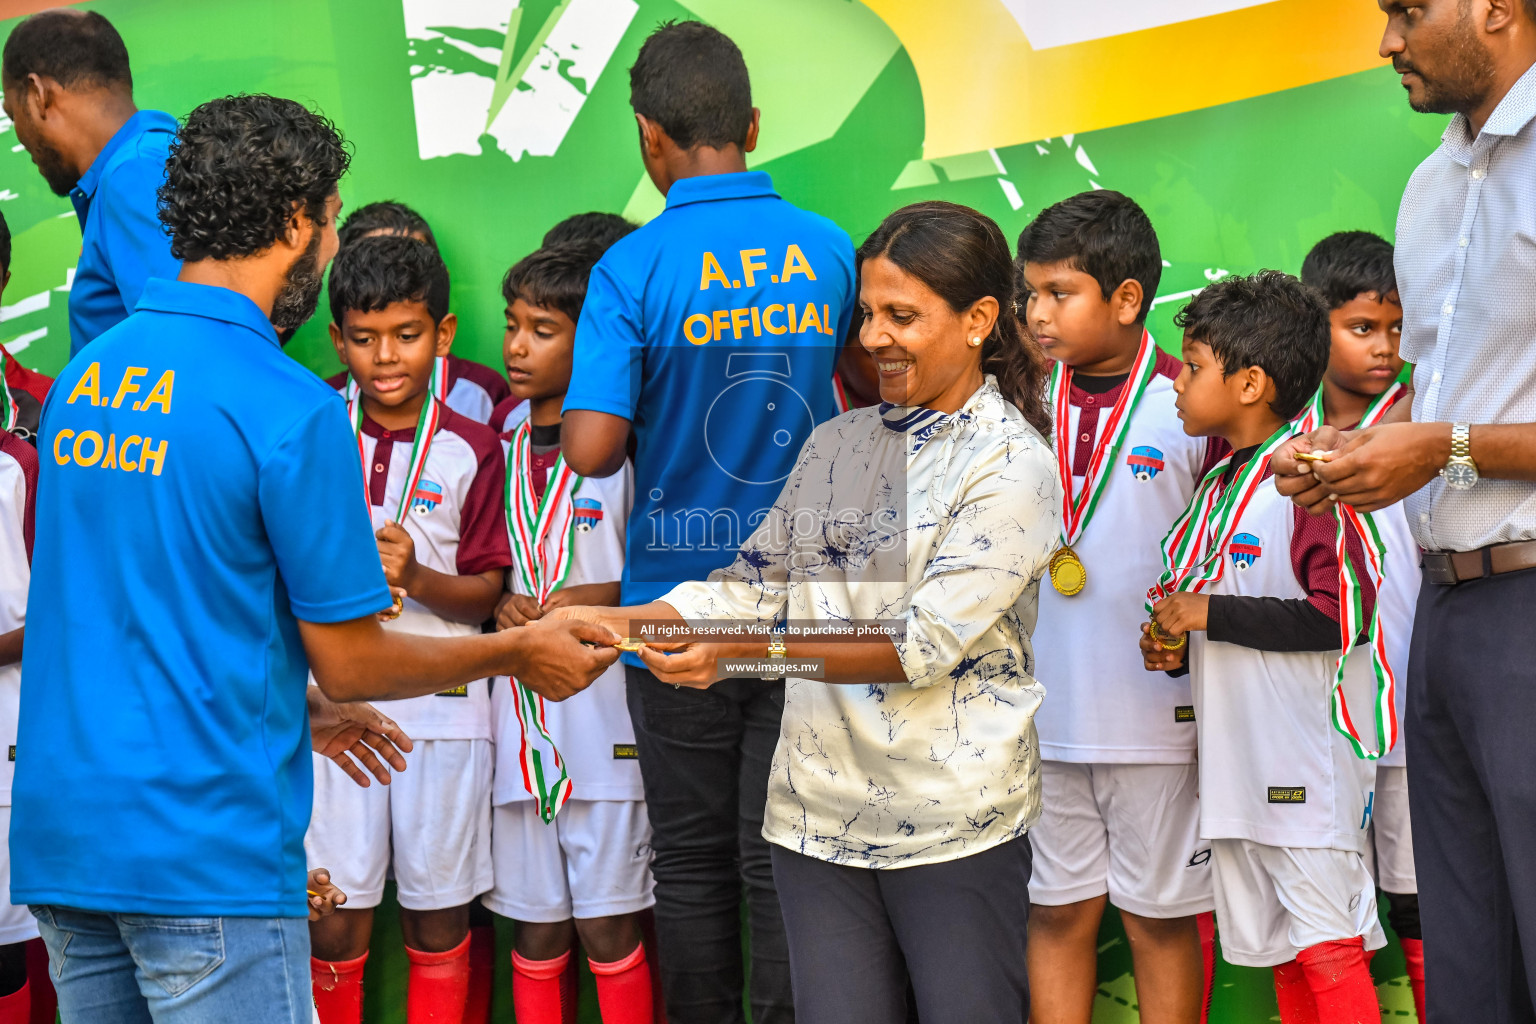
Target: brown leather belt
(1448, 568)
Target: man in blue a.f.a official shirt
(712, 332)
(69, 92)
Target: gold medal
(630, 644)
(1167, 644)
(1068, 575)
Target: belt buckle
(1440, 570)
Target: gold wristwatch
(1460, 472)
(777, 652)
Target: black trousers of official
(704, 758)
(1471, 734)
(956, 930)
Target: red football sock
(45, 1001)
(1294, 996)
(16, 1008)
(482, 974)
(1341, 982)
(1413, 952)
(1206, 922)
(439, 985)
(338, 988)
(624, 989)
(539, 994)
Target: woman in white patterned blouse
(900, 793)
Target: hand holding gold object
(631, 644)
(1167, 644)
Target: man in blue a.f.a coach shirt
(712, 332)
(69, 93)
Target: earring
(975, 342)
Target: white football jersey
(18, 488)
(1102, 705)
(1273, 770)
(454, 518)
(592, 729)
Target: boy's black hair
(386, 215)
(1348, 264)
(374, 272)
(5, 247)
(553, 277)
(602, 229)
(1102, 233)
(692, 80)
(1269, 320)
(72, 47)
(236, 169)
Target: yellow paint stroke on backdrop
(984, 86)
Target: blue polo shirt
(200, 493)
(713, 329)
(123, 243)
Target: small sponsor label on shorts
(625, 752)
(1184, 713)
(457, 691)
(1287, 794)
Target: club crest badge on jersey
(1245, 549)
(589, 512)
(426, 497)
(1145, 462)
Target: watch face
(1460, 476)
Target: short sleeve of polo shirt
(483, 541)
(310, 489)
(135, 241)
(610, 343)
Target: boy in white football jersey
(468, 388)
(1352, 271)
(571, 840)
(18, 488)
(1251, 592)
(433, 482)
(1121, 810)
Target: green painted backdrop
(421, 86)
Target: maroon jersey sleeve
(483, 377)
(483, 543)
(1314, 558)
(337, 380)
(19, 378)
(502, 411)
(26, 456)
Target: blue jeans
(136, 969)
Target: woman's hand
(695, 665)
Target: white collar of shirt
(1510, 117)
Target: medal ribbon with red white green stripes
(427, 421)
(7, 403)
(540, 532)
(1075, 512)
(1352, 600)
(1194, 548)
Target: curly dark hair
(378, 270)
(962, 256)
(1348, 264)
(239, 167)
(1269, 320)
(602, 229)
